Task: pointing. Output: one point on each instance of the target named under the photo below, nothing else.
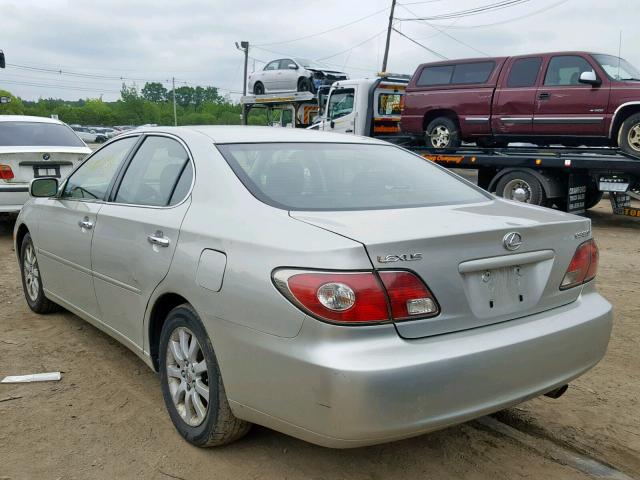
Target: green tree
(13, 106)
(154, 92)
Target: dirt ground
(106, 418)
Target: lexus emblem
(512, 241)
(46, 156)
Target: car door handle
(159, 239)
(544, 96)
(348, 131)
(85, 223)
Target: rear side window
(466, 73)
(565, 70)
(343, 176)
(524, 72)
(152, 176)
(438, 75)
(390, 104)
(37, 134)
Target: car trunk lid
(31, 162)
(459, 252)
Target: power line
(82, 74)
(324, 31)
(417, 43)
(471, 11)
(353, 47)
(62, 87)
(442, 31)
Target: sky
(98, 45)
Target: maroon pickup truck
(569, 98)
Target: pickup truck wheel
(523, 187)
(629, 136)
(442, 133)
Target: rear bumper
(13, 196)
(344, 387)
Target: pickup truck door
(341, 112)
(564, 106)
(514, 101)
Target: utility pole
(389, 28)
(175, 115)
(244, 47)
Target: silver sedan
(335, 288)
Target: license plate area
(40, 171)
(613, 183)
(505, 290)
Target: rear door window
(565, 70)
(437, 75)
(524, 72)
(154, 171)
(390, 104)
(469, 73)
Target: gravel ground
(106, 417)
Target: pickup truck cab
(569, 98)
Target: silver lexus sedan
(335, 288)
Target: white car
(89, 135)
(33, 147)
(292, 75)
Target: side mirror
(43, 187)
(590, 78)
(292, 66)
(332, 124)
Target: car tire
(522, 187)
(304, 85)
(258, 88)
(629, 135)
(211, 423)
(32, 280)
(442, 134)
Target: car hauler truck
(573, 179)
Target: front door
(67, 224)
(566, 107)
(137, 232)
(288, 76)
(341, 114)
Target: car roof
(28, 118)
(246, 134)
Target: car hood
(322, 70)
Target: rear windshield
(37, 134)
(344, 176)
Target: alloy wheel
(440, 137)
(31, 272)
(634, 137)
(187, 376)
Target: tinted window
(472, 72)
(153, 172)
(389, 104)
(37, 134)
(327, 176)
(524, 72)
(566, 70)
(184, 184)
(440, 75)
(341, 103)
(92, 179)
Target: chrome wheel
(633, 137)
(31, 273)
(517, 189)
(187, 376)
(440, 137)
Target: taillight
(357, 297)
(583, 266)
(5, 172)
(409, 296)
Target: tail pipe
(557, 392)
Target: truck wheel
(629, 136)
(304, 85)
(593, 197)
(523, 187)
(258, 89)
(442, 133)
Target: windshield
(344, 176)
(37, 134)
(617, 68)
(306, 63)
